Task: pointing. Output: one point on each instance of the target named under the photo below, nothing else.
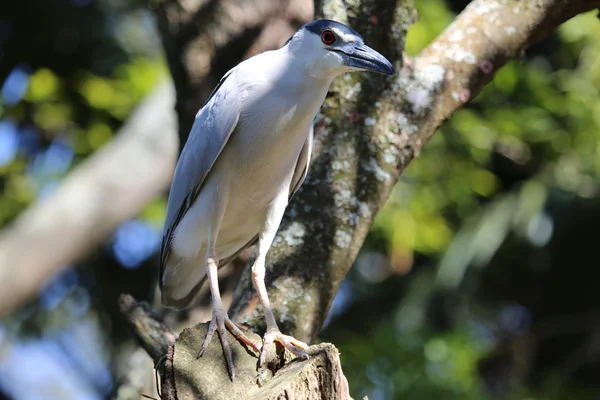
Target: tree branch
(131, 170)
(185, 377)
(463, 59)
(319, 377)
(153, 335)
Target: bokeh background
(479, 278)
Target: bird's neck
(310, 64)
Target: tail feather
(182, 279)
(180, 283)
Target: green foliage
(423, 365)
(418, 365)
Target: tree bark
(319, 377)
(152, 334)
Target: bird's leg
(265, 239)
(220, 320)
(273, 334)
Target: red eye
(328, 37)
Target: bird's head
(330, 48)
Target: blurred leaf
(53, 116)
(98, 135)
(42, 86)
(98, 92)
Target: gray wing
(303, 163)
(213, 126)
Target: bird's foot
(274, 335)
(220, 320)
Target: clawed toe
(239, 335)
(220, 323)
(211, 330)
(297, 347)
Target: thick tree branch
(463, 59)
(114, 184)
(153, 335)
(319, 377)
(185, 377)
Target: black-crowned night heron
(246, 155)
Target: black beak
(361, 56)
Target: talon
(211, 330)
(294, 345)
(237, 332)
(220, 323)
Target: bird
(246, 156)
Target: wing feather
(212, 128)
(299, 176)
(303, 163)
